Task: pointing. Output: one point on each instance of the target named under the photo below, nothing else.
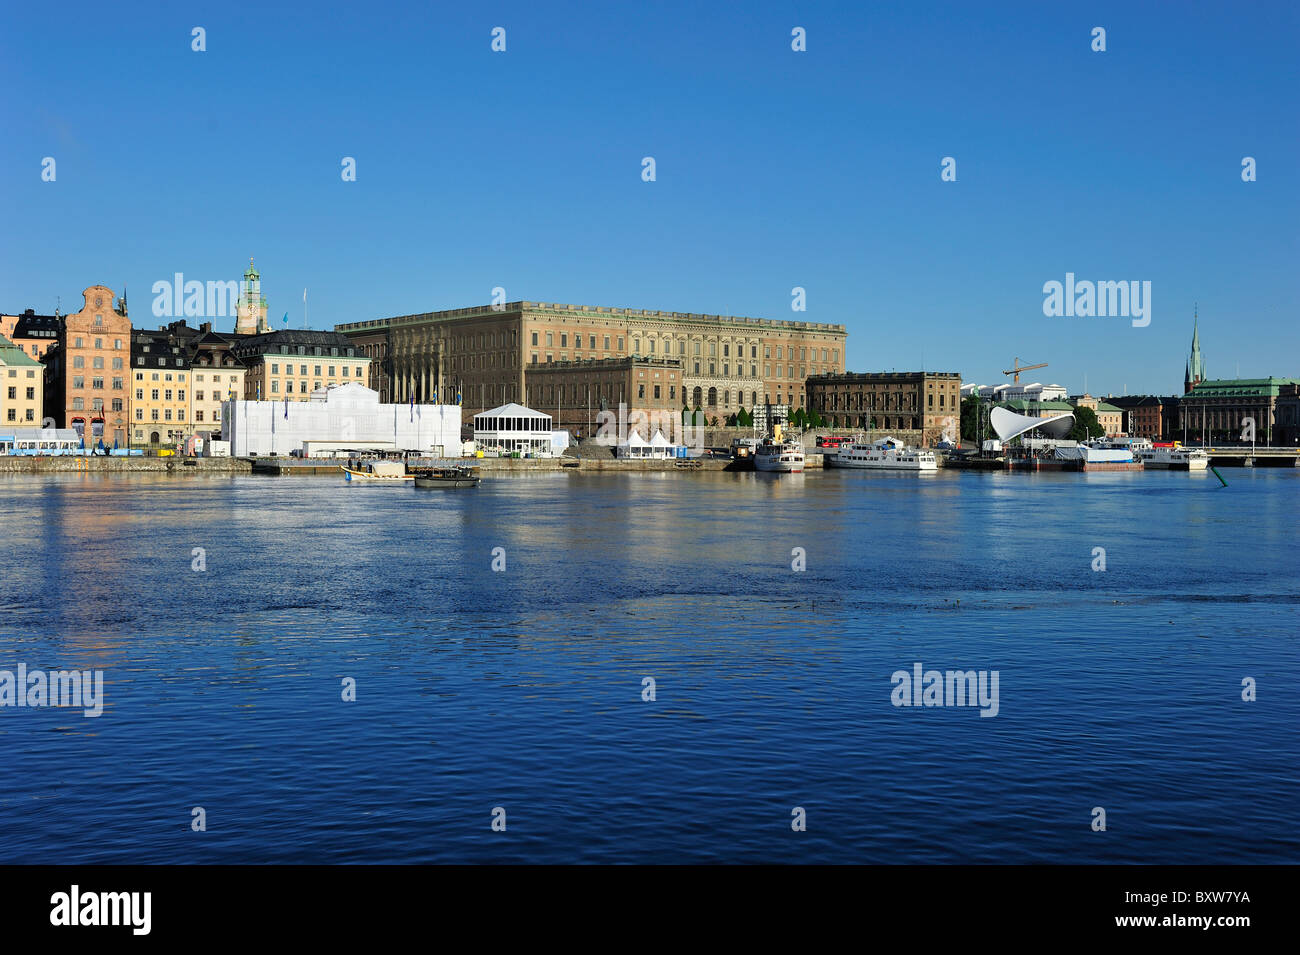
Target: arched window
(698, 396)
(713, 397)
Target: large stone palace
(563, 356)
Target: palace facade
(485, 355)
(925, 402)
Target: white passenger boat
(778, 454)
(378, 472)
(887, 453)
(1174, 459)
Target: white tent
(634, 447)
(512, 427)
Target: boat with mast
(779, 454)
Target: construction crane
(1018, 368)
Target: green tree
(970, 412)
(1085, 425)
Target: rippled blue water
(522, 689)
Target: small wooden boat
(447, 477)
(378, 472)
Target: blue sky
(775, 169)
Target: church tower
(1195, 373)
(251, 318)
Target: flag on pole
(286, 406)
(413, 406)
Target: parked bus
(834, 441)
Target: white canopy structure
(512, 427)
(657, 448)
(1010, 425)
(634, 447)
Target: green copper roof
(1240, 387)
(11, 354)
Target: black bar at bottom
(342, 903)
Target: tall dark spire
(1195, 373)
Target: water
(522, 689)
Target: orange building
(32, 333)
(87, 371)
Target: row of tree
(801, 419)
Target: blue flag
(286, 318)
(412, 406)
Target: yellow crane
(1017, 368)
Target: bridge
(1244, 456)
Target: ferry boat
(1174, 459)
(378, 472)
(448, 477)
(886, 453)
(778, 454)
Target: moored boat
(887, 453)
(779, 455)
(1174, 459)
(450, 477)
(377, 472)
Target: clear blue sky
(775, 169)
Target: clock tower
(251, 318)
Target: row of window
(167, 376)
(577, 341)
(827, 355)
(99, 343)
(153, 394)
(302, 370)
(97, 383)
(31, 394)
(12, 415)
(79, 361)
(162, 362)
(713, 368)
(167, 414)
(96, 404)
(13, 372)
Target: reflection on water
(522, 688)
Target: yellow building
(160, 390)
(217, 376)
(22, 387)
(293, 363)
